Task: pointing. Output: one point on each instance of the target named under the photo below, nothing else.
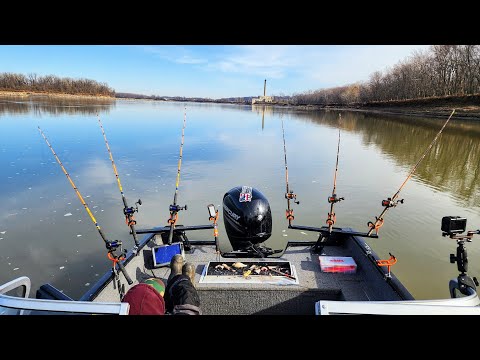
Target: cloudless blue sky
(212, 71)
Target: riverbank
(466, 107)
(466, 113)
(32, 94)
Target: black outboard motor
(248, 222)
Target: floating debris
(68, 214)
(79, 235)
(24, 208)
(3, 232)
(16, 269)
(95, 207)
(284, 234)
(284, 230)
(302, 232)
(1, 238)
(62, 267)
(87, 284)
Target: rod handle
(124, 272)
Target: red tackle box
(338, 264)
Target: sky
(207, 71)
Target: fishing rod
(174, 208)
(393, 202)
(112, 246)
(334, 199)
(289, 195)
(213, 216)
(127, 211)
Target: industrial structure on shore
(263, 99)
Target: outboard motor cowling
(247, 217)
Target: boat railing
(23, 305)
(467, 305)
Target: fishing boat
(339, 273)
(368, 288)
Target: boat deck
(284, 297)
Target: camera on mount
(452, 225)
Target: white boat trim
(468, 305)
(13, 305)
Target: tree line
(53, 84)
(440, 70)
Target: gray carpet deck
(226, 299)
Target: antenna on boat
(112, 246)
(393, 202)
(127, 211)
(174, 208)
(289, 194)
(334, 199)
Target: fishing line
(334, 199)
(127, 211)
(393, 202)
(174, 208)
(289, 193)
(111, 246)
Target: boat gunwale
(392, 281)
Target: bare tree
(53, 84)
(442, 70)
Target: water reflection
(452, 165)
(39, 105)
(45, 232)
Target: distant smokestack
(265, 88)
